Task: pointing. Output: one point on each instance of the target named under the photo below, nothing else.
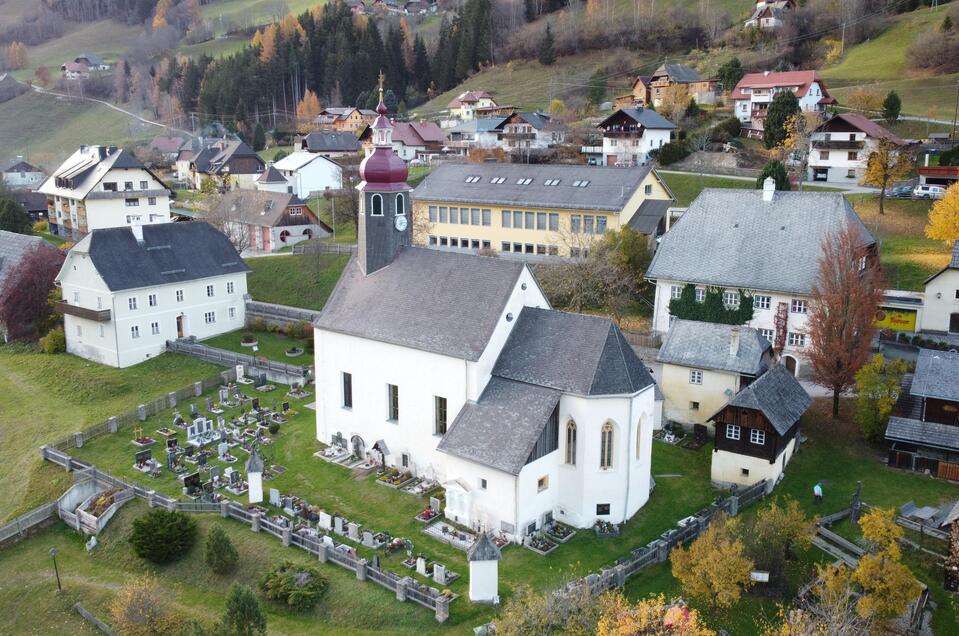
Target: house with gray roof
(631, 134)
(480, 132)
(924, 427)
(761, 243)
(940, 313)
(671, 77)
(705, 364)
(455, 367)
(331, 144)
(756, 431)
(128, 290)
(229, 163)
(535, 209)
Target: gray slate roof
(645, 117)
(479, 124)
(573, 353)
(331, 142)
(501, 428)
(905, 429)
(608, 189)
(732, 238)
(937, 375)
(706, 345)
(483, 549)
(170, 252)
(271, 175)
(678, 73)
(442, 302)
(778, 395)
(647, 218)
(13, 247)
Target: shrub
(274, 428)
(672, 152)
(258, 324)
(243, 616)
(273, 328)
(140, 609)
(41, 226)
(306, 329)
(291, 329)
(777, 171)
(308, 347)
(221, 556)
(299, 587)
(731, 126)
(161, 536)
(54, 342)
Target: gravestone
(421, 565)
(239, 371)
(222, 449)
(353, 531)
(223, 436)
(338, 525)
(189, 451)
(439, 573)
(275, 497)
(376, 561)
(368, 539)
(209, 404)
(256, 404)
(192, 431)
(194, 413)
(286, 407)
(328, 541)
(435, 504)
(236, 393)
(170, 460)
(326, 521)
(201, 459)
(224, 395)
(214, 472)
(220, 422)
(235, 478)
(142, 456)
(171, 443)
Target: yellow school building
(540, 209)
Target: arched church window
(571, 443)
(376, 205)
(606, 447)
(400, 204)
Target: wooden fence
(326, 550)
(143, 411)
(292, 372)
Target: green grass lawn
(300, 280)
(107, 38)
(48, 396)
(270, 345)
(687, 186)
(222, 12)
(54, 240)
(221, 47)
(326, 209)
(46, 129)
(907, 256)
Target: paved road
(856, 189)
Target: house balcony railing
(98, 315)
(758, 113)
(516, 136)
(822, 144)
(623, 131)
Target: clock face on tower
(400, 223)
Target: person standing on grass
(817, 492)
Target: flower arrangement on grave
(561, 530)
(500, 541)
(99, 504)
(541, 543)
(248, 339)
(293, 352)
(606, 528)
(447, 593)
(427, 514)
(166, 432)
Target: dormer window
(472, 179)
(552, 182)
(524, 181)
(498, 180)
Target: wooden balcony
(516, 136)
(98, 315)
(822, 144)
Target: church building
(455, 367)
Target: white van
(928, 192)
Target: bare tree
(227, 218)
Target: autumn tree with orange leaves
(307, 109)
(653, 616)
(845, 298)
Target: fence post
(662, 551)
(225, 508)
(197, 389)
(321, 552)
(361, 569)
(141, 412)
(401, 588)
(78, 439)
(255, 521)
(43, 453)
(285, 537)
(442, 609)
(171, 399)
(733, 505)
(620, 571)
(171, 505)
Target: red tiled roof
(800, 79)
(76, 67)
(419, 133)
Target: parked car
(901, 192)
(928, 192)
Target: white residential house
(128, 290)
(102, 187)
(453, 366)
(769, 14)
(630, 134)
(21, 174)
(301, 173)
(480, 132)
(465, 105)
(761, 243)
(705, 364)
(755, 91)
(525, 131)
(940, 311)
(839, 148)
(263, 221)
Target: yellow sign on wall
(896, 319)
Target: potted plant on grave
(294, 352)
(248, 339)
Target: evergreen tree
(777, 171)
(221, 556)
(389, 99)
(546, 53)
(243, 616)
(259, 137)
(784, 105)
(891, 107)
(597, 87)
(529, 10)
(239, 116)
(730, 73)
(13, 218)
(161, 536)
(421, 65)
(946, 24)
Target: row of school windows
(504, 246)
(441, 422)
(731, 299)
(519, 219)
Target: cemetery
(318, 497)
(271, 345)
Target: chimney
(769, 189)
(137, 228)
(734, 341)
(765, 73)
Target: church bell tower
(384, 226)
